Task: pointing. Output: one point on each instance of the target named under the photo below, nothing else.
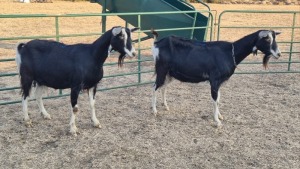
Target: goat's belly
(186, 78)
(60, 85)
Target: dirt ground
(261, 127)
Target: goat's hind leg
(91, 93)
(154, 99)
(161, 74)
(38, 95)
(164, 91)
(27, 120)
(26, 86)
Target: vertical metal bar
(211, 17)
(194, 23)
(104, 17)
(57, 39)
(219, 26)
(292, 42)
(56, 29)
(139, 49)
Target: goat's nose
(133, 54)
(279, 54)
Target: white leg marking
(25, 111)
(164, 91)
(95, 121)
(216, 113)
(38, 95)
(154, 100)
(218, 102)
(73, 128)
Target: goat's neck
(244, 46)
(101, 46)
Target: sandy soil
(261, 128)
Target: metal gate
(289, 42)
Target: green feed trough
(160, 21)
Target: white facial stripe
(271, 37)
(125, 36)
(274, 53)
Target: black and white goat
(193, 61)
(79, 67)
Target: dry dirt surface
(261, 126)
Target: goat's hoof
(167, 108)
(46, 116)
(219, 125)
(74, 131)
(28, 123)
(97, 125)
(220, 117)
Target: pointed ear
(263, 34)
(116, 30)
(277, 32)
(134, 29)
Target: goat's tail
(18, 55)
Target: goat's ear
(134, 29)
(116, 30)
(263, 34)
(277, 32)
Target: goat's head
(266, 43)
(121, 42)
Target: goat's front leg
(91, 93)
(38, 95)
(74, 97)
(218, 102)
(214, 94)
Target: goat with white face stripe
(267, 44)
(60, 66)
(125, 36)
(193, 61)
